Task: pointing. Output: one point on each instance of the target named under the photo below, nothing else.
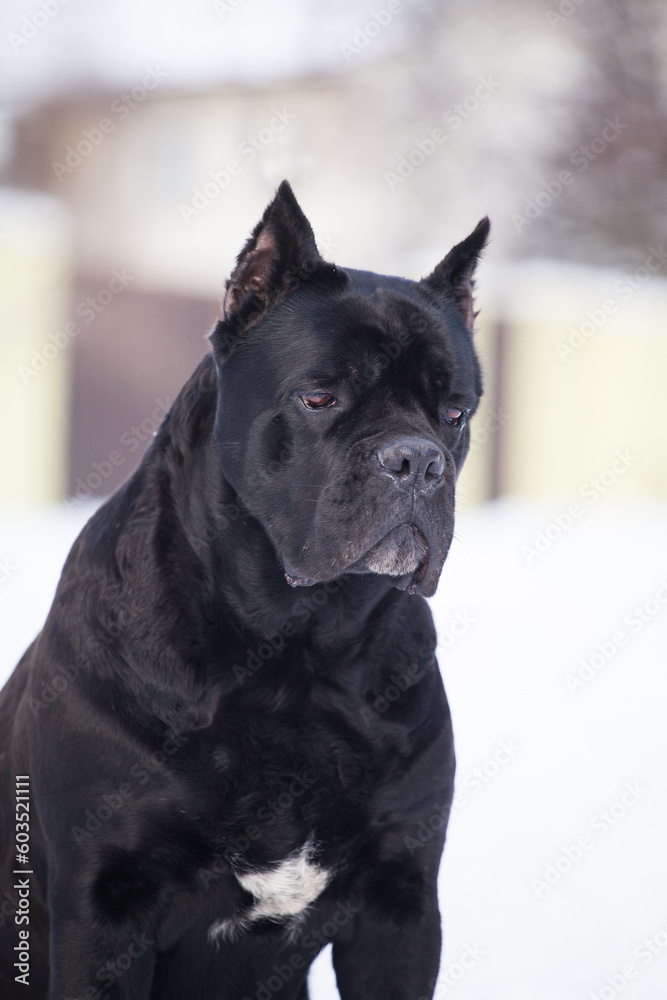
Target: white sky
(109, 43)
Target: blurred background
(139, 144)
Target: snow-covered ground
(553, 885)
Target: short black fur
(237, 676)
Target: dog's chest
(280, 891)
(305, 791)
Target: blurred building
(133, 181)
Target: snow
(544, 771)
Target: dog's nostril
(412, 459)
(434, 469)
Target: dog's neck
(195, 576)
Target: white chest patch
(285, 890)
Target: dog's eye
(317, 400)
(454, 416)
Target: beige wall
(582, 397)
(597, 409)
(586, 376)
(34, 284)
(145, 197)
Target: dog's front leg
(90, 962)
(390, 955)
(389, 961)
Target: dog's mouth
(402, 553)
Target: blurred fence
(575, 361)
(35, 359)
(576, 364)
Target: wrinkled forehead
(374, 329)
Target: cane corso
(230, 744)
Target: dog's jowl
(217, 755)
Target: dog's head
(343, 403)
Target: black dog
(207, 776)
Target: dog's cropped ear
(454, 275)
(280, 254)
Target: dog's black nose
(412, 460)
